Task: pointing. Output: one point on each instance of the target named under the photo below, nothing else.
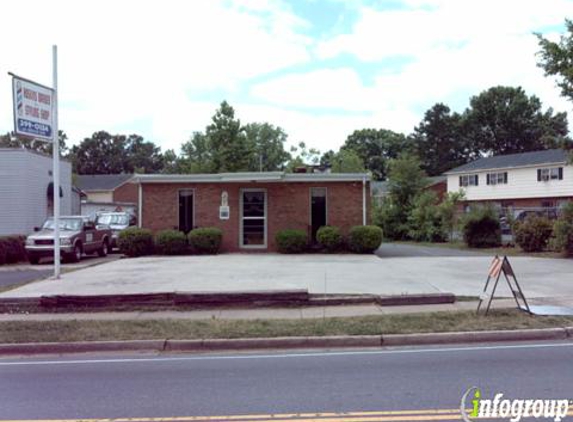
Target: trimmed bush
(134, 242)
(562, 240)
(171, 242)
(291, 241)
(14, 248)
(330, 238)
(364, 239)
(206, 240)
(481, 228)
(533, 234)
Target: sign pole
(56, 159)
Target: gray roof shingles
(99, 182)
(524, 159)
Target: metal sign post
(36, 117)
(56, 157)
(498, 267)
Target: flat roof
(256, 177)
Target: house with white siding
(26, 190)
(529, 180)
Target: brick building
(251, 208)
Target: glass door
(317, 210)
(253, 218)
(186, 210)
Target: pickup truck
(78, 235)
(117, 221)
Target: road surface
(360, 382)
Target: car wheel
(34, 260)
(103, 251)
(76, 255)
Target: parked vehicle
(117, 221)
(78, 235)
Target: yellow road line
(381, 416)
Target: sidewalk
(315, 312)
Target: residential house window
(547, 174)
(469, 180)
(497, 178)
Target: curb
(325, 342)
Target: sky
(319, 69)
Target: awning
(50, 191)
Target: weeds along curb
(207, 345)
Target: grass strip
(80, 330)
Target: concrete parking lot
(318, 273)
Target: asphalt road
(8, 278)
(402, 379)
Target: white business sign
(33, 109)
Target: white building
(539, 179)
(26, 190)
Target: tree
(267, 145)
(230, 151)
(104, 153)
(424, 221)
(10, 140)
(196, 155)
(406, 180)
(302, 156)
(557, 59)
(346, 161)
(439, 141)
(376, 147)
(504, 120)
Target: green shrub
(562, 240)
(364, 239)
(330, 238)
(14, 249)
(390, 217)
(206, 240)
(481, 228)
(171, 242)
(291, 241)
(424, 220)
(533, 234)
(134, 242)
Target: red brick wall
(126, 193)
(440, 188)
(523, 202)
(288, 206)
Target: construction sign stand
(498, 267)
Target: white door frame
(265, 218)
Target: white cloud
(127, 62)
(132, 60)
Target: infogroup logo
(514, 410)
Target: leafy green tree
(266, 143)
(230, 150)
(197, 155)
(406, 180)
(449, 212)
(172, 164)
(440, 142)
(424, 220)
(504, 120)
(302, 156)
(556, 59)
(10, 140)
(376, 147)
(142, 156)
(102, 153)
(347, 161)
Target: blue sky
(318, 68)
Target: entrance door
(253, 218)
(317, 210)
(186, 210)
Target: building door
(186, 210)
(253, 218)
(317, 210)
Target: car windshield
(109, 219)
(65, 224)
